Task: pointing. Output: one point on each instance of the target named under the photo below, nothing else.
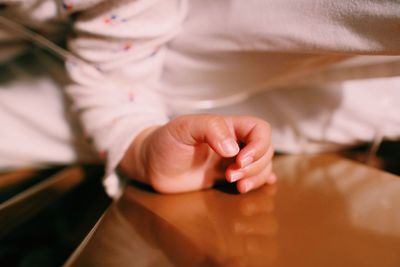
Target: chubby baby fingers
(214, 130)
(235, 173)
(253, 182)
(256, 146)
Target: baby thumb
(212, 130)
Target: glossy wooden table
(45, 213)
(324, 211)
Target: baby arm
(114, 86)
(121, 110)
(192, 152)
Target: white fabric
(157, 59)
(38, 127)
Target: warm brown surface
(11, 179)
(46, 213)
(24, 205)
(386, 158)
(324, 211)
(15, 181)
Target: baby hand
(187, 153)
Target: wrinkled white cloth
(153, 60)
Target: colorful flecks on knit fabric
(131, 96)
(71, 63)
(113, 19)
(98, 67)
(126, 46)
(154, 53)
(114, 120)
(67, 5)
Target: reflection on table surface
(324, 211)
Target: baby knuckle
(266, 125)
(214, 121)
(179, 128)
(217, 124)
(261, 124)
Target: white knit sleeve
(116, 92)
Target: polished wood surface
(22, 206)
(46, 213)
(324, 211)
(15, 181)
(15, 178)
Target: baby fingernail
(246, 161)
(230, 147)
(235, 175)
(247, 186)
